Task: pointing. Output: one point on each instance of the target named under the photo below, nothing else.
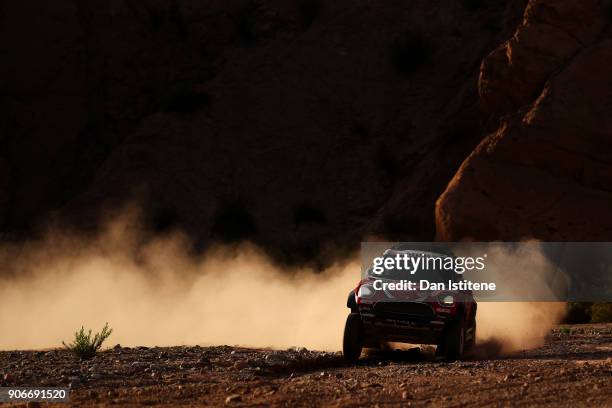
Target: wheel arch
(350, 301)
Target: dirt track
(573, 369)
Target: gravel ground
(574, 368)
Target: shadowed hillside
(296, 124)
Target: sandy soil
(573, 368)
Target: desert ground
(573, 368)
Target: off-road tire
(352, 343)
(454, 342)
(469, 344)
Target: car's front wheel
(454, 341)
(352, 343)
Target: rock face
(301, 123)
(291, 123)
(546, 172)
(551, 34)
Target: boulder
(546, 172)
(551, 34)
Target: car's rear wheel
(454, 341)
(471, 337)
(440, 350)
(352, 343)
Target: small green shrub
(577, 312)
(601, 313)
(565, 330)
(84, 346)
(583, 312)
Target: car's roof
(430, 247)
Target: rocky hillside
(308, 123)
(291, 123)
(545, 170)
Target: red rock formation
(546, 172)
(550, 35)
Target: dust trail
(156, 293)
(507, 327)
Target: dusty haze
(523, 273)
(155, 293)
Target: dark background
(307, 125)
(291, 123)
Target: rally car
(443, 318)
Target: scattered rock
(233, 398)
(74, 384)
(240, 365)
(333, 383)
(203, 362)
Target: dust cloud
(156, 293)
(522, 274)
(515, 326)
